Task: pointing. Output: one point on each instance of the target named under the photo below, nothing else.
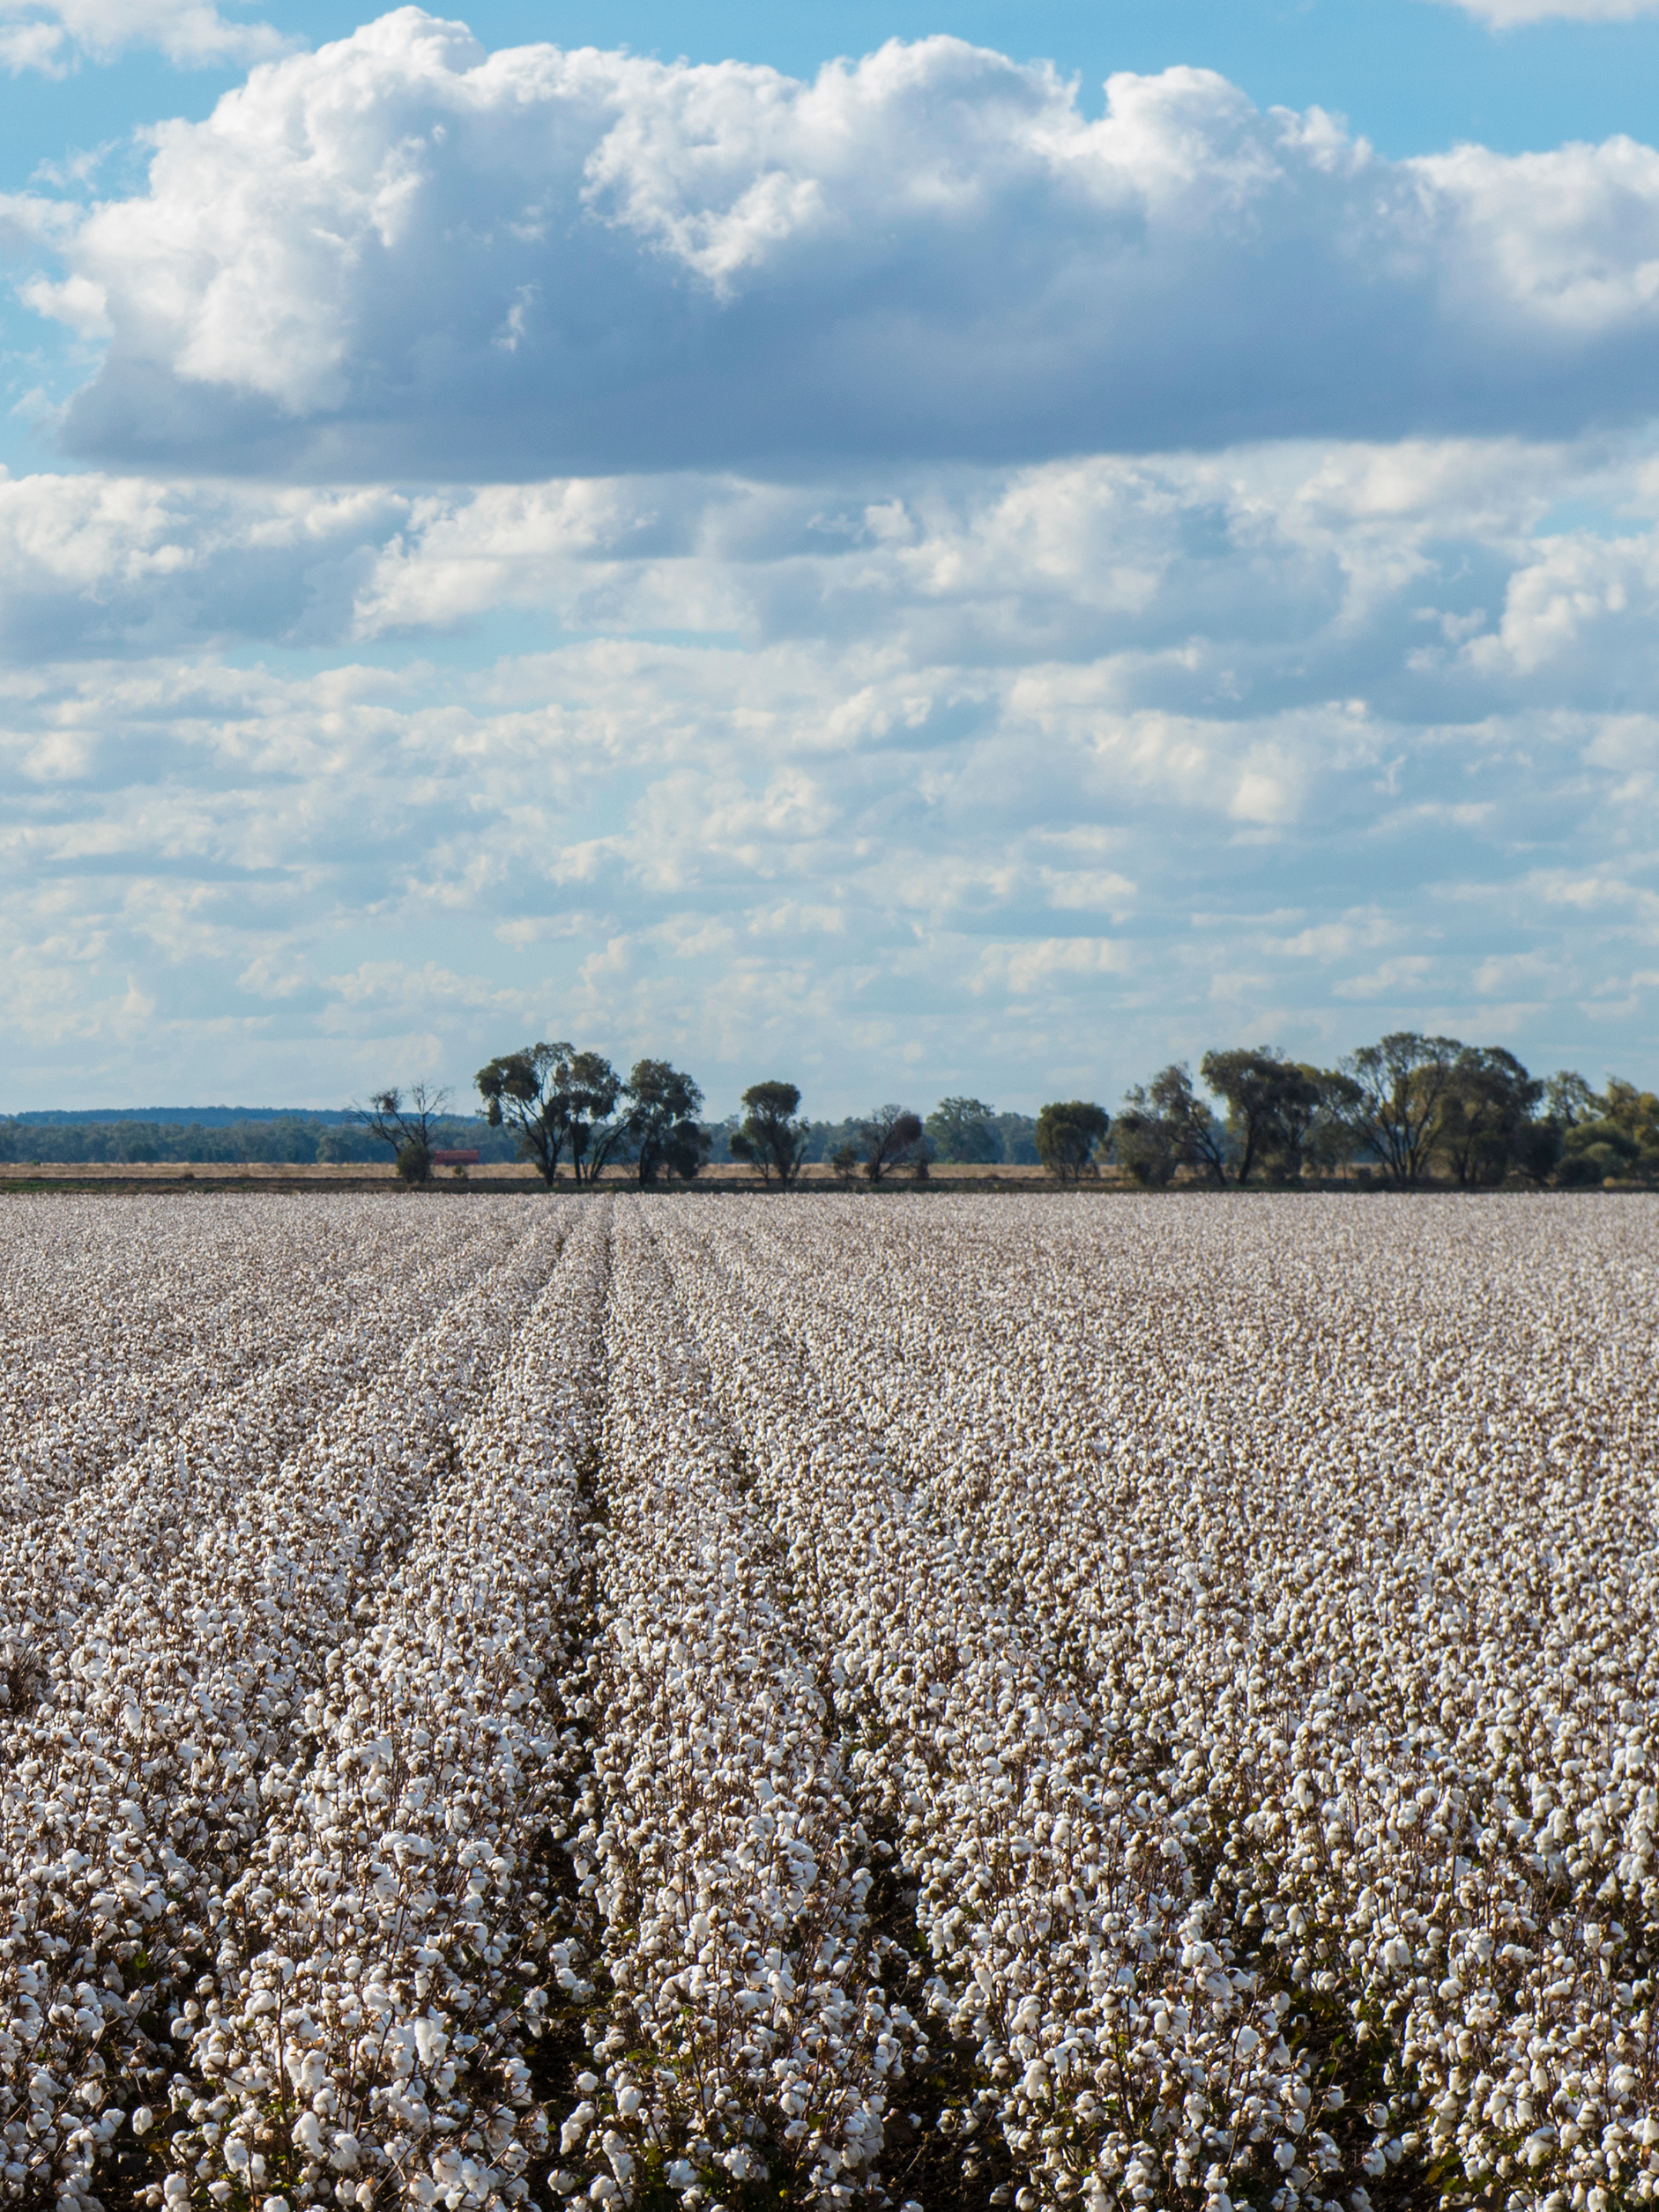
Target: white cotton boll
(142, 2119)
(1373, 1570)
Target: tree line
(296, 1140)
(1409, 1109)
(1406, 1110)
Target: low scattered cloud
(403, 257)
(947, 798)
(1508, 15)
(52, 36)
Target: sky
(915, 548)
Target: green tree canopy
(1489, 1101)
(770, 1136)
(888, 1138)
(1068, 1132)
(661, 1121)
(1271, 1105)
(1568, 1099)
(1397, 1108)
(553, 1096)
(963, 1132)
(1618, 1140)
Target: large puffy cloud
(985, 778)
(402, 256)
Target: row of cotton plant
(177, 1616)
(1279, 1525)
(123, 1318)
(843, 1701)
(396, 1933)
(748, 2042)
(1112, 2040)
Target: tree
(1331, 1139)
(1271, 1105)
(1068, 1133)
(888, 1138)
(1538, 1147)
(1298, 1109)
(1144, 1142)
(963, 1132)
(1569, 1099)
(1488, 1101)
(1199, 1140)
(769, 1135)
(406, 1126)
(603, 1140)
(1400, 1089)
(591, 1089)
(1018, 1132)
(552, 1095)
(1163, 1126)
(662, 1121)
(1620, 1141)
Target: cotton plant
(987, 1408)
(1067, 1960)
(748, 2040)
(1085, 1704)
(123, 1312)
(376, 2041)
(175, 1616)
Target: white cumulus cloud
(987, 777)
(404, 256)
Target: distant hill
(187, 1133)
(195, 1117)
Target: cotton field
(842, 1701)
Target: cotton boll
(971, 1613)
(183, 1591)
(1305, 1924)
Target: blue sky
(889, 564)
